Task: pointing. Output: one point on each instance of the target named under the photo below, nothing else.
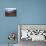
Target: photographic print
(10, 11)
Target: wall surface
(28, 12)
